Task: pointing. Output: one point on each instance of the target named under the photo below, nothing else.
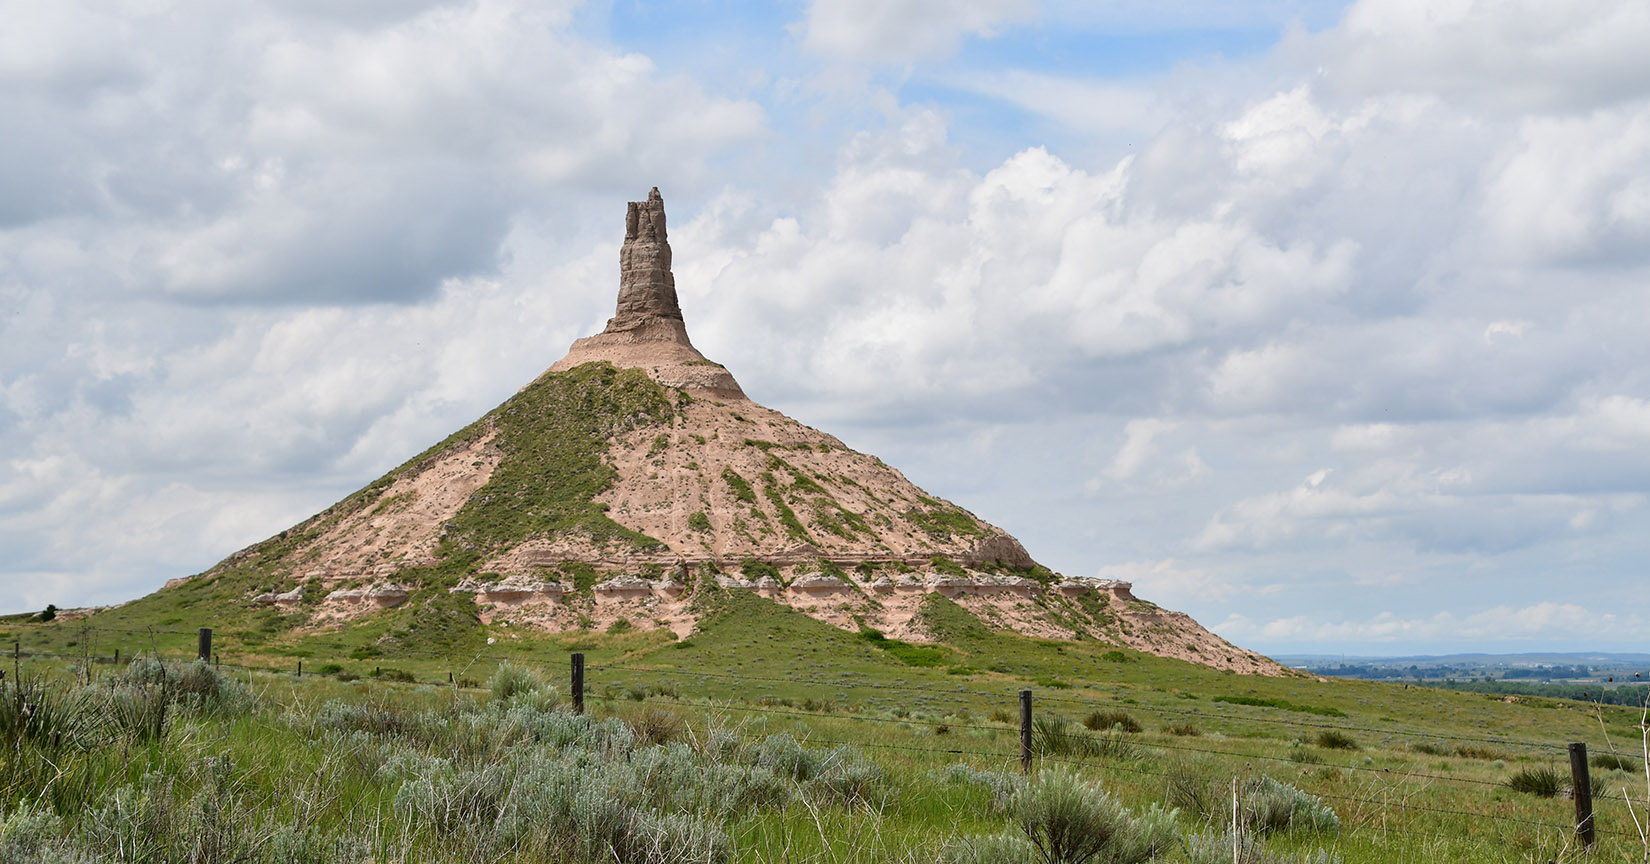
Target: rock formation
(635, 475)
(647, 330)
(647, 288)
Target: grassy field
(766, 736)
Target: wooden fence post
(1581, 786)
(203, 646)
(117, 656)
(1025, 731)
(578, 683)
(300, 668)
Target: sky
(1324, 323)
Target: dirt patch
(403, 525)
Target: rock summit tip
(647, 331)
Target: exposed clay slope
(733, 480)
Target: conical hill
(634, 478)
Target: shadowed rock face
(647, 290)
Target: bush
(511, 681)
(1329, 739)
(1000, 784)
(1304, 755)
(1188, 788)
(1265, 804)
(29, 833)
(1057, 736)
(138, 713)
(782, 755)
(1186, 729)
(46, 717)
(367, 717)
(1615, 762)
(1072, 821)
(1111, 718)
(988, 849)
(848, 777)
(1540, 782)
(656, 726)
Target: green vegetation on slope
(1281, 703)
(553, 435)
(946, 521)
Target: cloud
(1171, 582)
(900, 31)
(1501, 625)
(332, 164)
(1137, 444)
(1505, 329)
(1510, 55)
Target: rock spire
(647, 290)
(647, 331)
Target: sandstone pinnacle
(647, 330)
(647, 290)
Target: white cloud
(330, 164)
(1169, 582)
(1546, 621)
(1513, 329)
(898, 31)
(1516, 55)
(1137, 446)
(1092, 107)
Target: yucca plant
(1542, 782)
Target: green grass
(915, 722)
(905, 652)
(553, 435)
(947, 521)
(742, 491)
(787, 517)
(1284, 704)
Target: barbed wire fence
(1034, 746)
